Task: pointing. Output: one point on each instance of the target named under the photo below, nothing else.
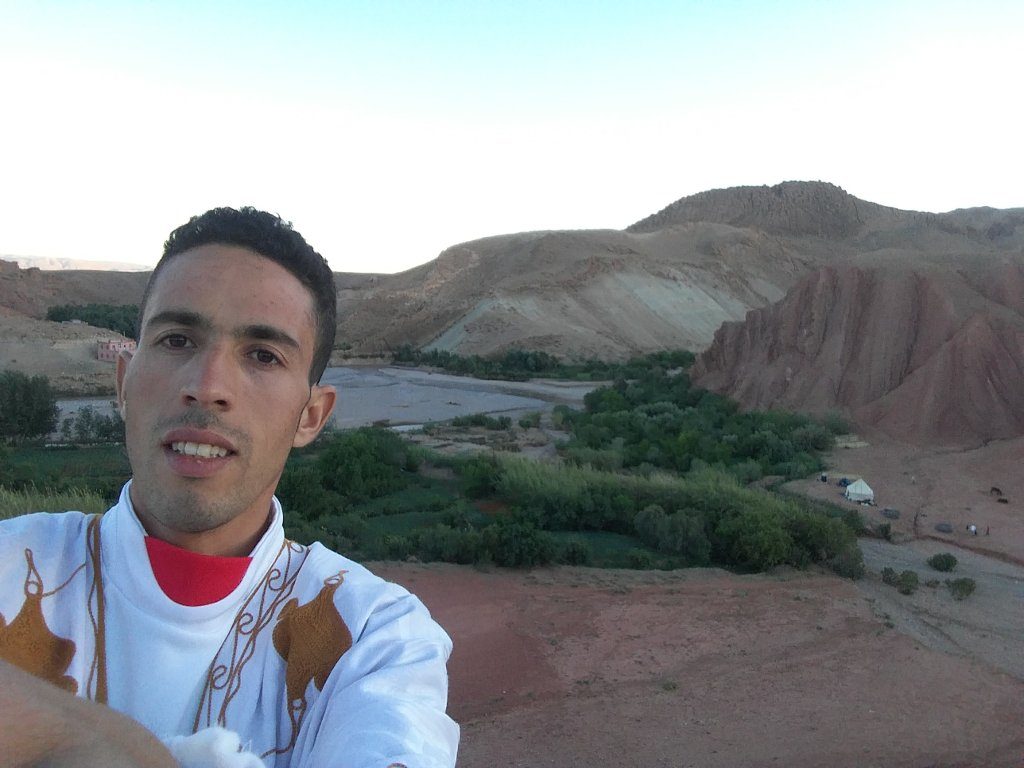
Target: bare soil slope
(63, 352)
(574, 666)
(32, 291)
(929, 350)
(602, 293)
(667, 281)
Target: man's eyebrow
(179, 317)
(266, 333)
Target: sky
(388, 131)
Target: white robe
(312, 660)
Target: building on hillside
(109, 350)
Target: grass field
(100, 469)
(14, 503)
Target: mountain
(49, 263)
(799, 295)
(32, 291)
(929, 351)
(669, 280)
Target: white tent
(859, 491)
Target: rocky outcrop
(926, 353)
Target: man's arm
(385, 702)
(44, 726)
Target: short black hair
(269, 236)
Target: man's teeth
(199, 449)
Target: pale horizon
(388, 132)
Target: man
(184, 607)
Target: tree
(28, 407)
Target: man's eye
(265, 357)
(175, 341)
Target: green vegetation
(530, 420)
(86, 426)
(20, 502)
(961, 588)
(360, 491)
(99, 470)
(117, 317)
(656, 474)
(659, 420)
(518, 364)
(906, 582)
(483, 420)
(28, 407)
(944, 561)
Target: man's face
(217, 394)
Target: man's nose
(208, 380)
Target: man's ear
(315, 415)
(123, 359)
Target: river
(410, 397)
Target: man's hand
(45, 727)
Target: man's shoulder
(50, 528)
(328, 566)
(365, 600)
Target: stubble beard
(184, 509)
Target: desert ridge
(799, 294)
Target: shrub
(87, 426)
(754, 539)
(117, 317)
(28, 407)
(514, 540)
(574, 552)
(302, 494)
(365, 463)
(448, 545)
(836, 424)
(648, 523)
(483, 420)
(906, 583)
(812, 437)
(684, 534)
(479, 475)
(640, 559)
(530, 420)
(961, 588)
(848, 564)
(944, 561)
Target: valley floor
(579, 666)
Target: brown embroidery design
(28, 643)
(224, 678)
(311, 639)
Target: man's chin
(183, 511)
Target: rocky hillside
(928, 350)
(32, 291)
(907, 320)
(667, 281)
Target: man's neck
(232, 539)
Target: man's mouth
(203, 450)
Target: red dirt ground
(938, 485)
(578, 666)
